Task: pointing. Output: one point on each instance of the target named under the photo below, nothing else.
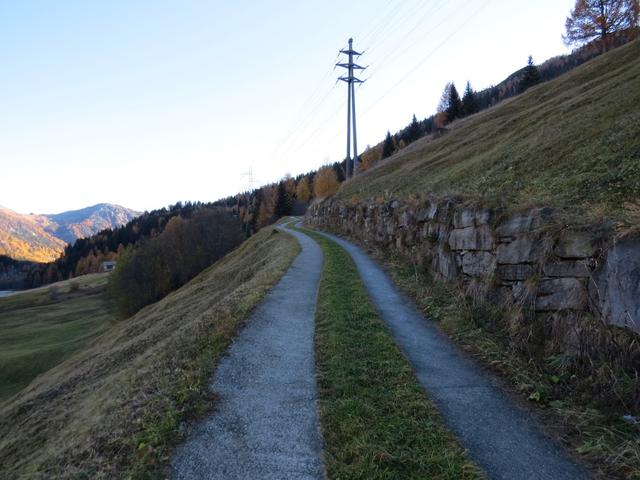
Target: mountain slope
(571, 142)
(82, 223)
(25, 237)
(42, 238)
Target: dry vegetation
(571, 142)
(114, 409)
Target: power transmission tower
(351, 80)
(250, 180)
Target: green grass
(573, 142)
(376, 420)
(577, 408)
(118, 407)
(39, 330)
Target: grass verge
(376, 420)
(595, 432)
(117, 408)
(42, 327)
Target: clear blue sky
(144, 103)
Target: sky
(145, 103)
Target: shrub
(53, 292)
(159, 265)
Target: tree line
(157, 265)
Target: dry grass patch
(115, 409)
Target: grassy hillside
(571, 142)
(40, 328)
(114, 408)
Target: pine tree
(469, 101)
(284, 201)
(454, 108)
(388, 147)
(530, 77)
(414, 130)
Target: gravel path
(266, 424)
(500, 437)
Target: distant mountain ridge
(42, 238)
(74, 224)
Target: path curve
(266, 424)
(500, 437)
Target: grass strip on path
(376, 420)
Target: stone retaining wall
(526, 258)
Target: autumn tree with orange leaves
(598, 19)
(325, 183)
(303, 190)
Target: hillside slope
(85, 222)
(571, 142)
(25, 237)
(42, 238)
(115, 407)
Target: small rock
(515, 272)
(478, 263)
(575, 245)
(472, 238)
(614, 289)
(522, 250)
(444, 262)
(561, 294)
(575, 268)
(464, 218)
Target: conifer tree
(530, 77)
(454, 108)
(284, 201)
(388, 147)
(469, 101)
(414, 130)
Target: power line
(297, 125)
(378, 30)
(392, 55)
(426, 57)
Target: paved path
(266, 425)
(500, 437)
